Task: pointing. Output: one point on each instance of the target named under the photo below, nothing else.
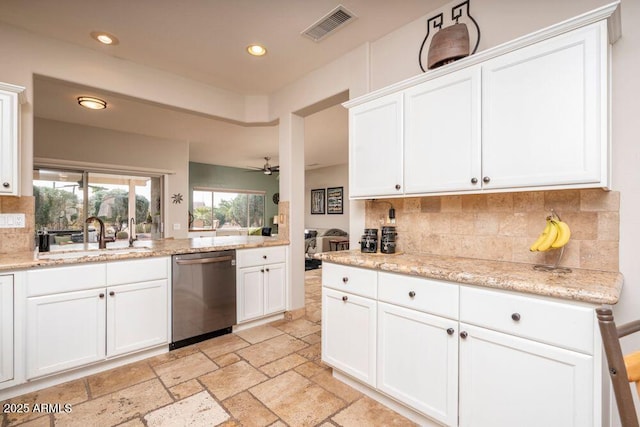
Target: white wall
(394, 57)
(86, 144)
(332, 176)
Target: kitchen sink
(91, 253)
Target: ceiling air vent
(337, 18)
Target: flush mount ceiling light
(92, 103)
(104, 38)
(256, 50)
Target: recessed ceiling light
(256, 50)
(92, 103)
(104, 38)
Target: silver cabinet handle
(486, 179)
(101, 295)
(203, 260)
(450, 331)
(398, 187)
(6, 184)
(345, 280)
(515, 317)
(474, 180)
(464, 334)
(344, 298)
(412, 294)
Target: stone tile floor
(269, 375)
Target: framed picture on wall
(335, 200)
(317, 201)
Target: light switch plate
(15, 220)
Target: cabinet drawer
(430, 296)
(261, 256)
(54, 280)
(564, 325)
(354, 280)
(137, 270)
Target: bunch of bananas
(555, 235)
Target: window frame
(214, 190)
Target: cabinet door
(442, 134)
(418, 361)
(250, 293)
(6, 328)
(375, 147)
(544, 113)
(274, 288)
(8, 142)
(349, 334)
(137, 316)
(64, 331)
(507, 381)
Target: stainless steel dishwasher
(203, 296)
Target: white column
(291, 159)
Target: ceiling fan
(267, 169)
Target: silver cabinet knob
(474, 180)
(6, 185)
(486, 179)
(450, 331)
(101, 295)
(344, 298)
(412, 294)
(515, 317)
(112, 293)
(345, 280)
(464, 334)
(398, 187)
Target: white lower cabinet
(83, 314)
(508, 381)
(349, 334)
(137, 316)
(65, 331)
(6, 328)
(261, 276)
(464, 355)
(417, 361)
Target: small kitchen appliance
(388, 240)
(369, 241)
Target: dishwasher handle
(203, 260)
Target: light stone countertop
(146, 248)
(591, 286)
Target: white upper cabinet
(375, 147)
(529, 114)
(9, 115)
(442, 134)
(544, 113)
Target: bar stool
(622, 369)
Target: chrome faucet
(102, 244)
(132, 222)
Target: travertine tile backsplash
(18, 239)
(502, 226)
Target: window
(64, 199)
(220, 209)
